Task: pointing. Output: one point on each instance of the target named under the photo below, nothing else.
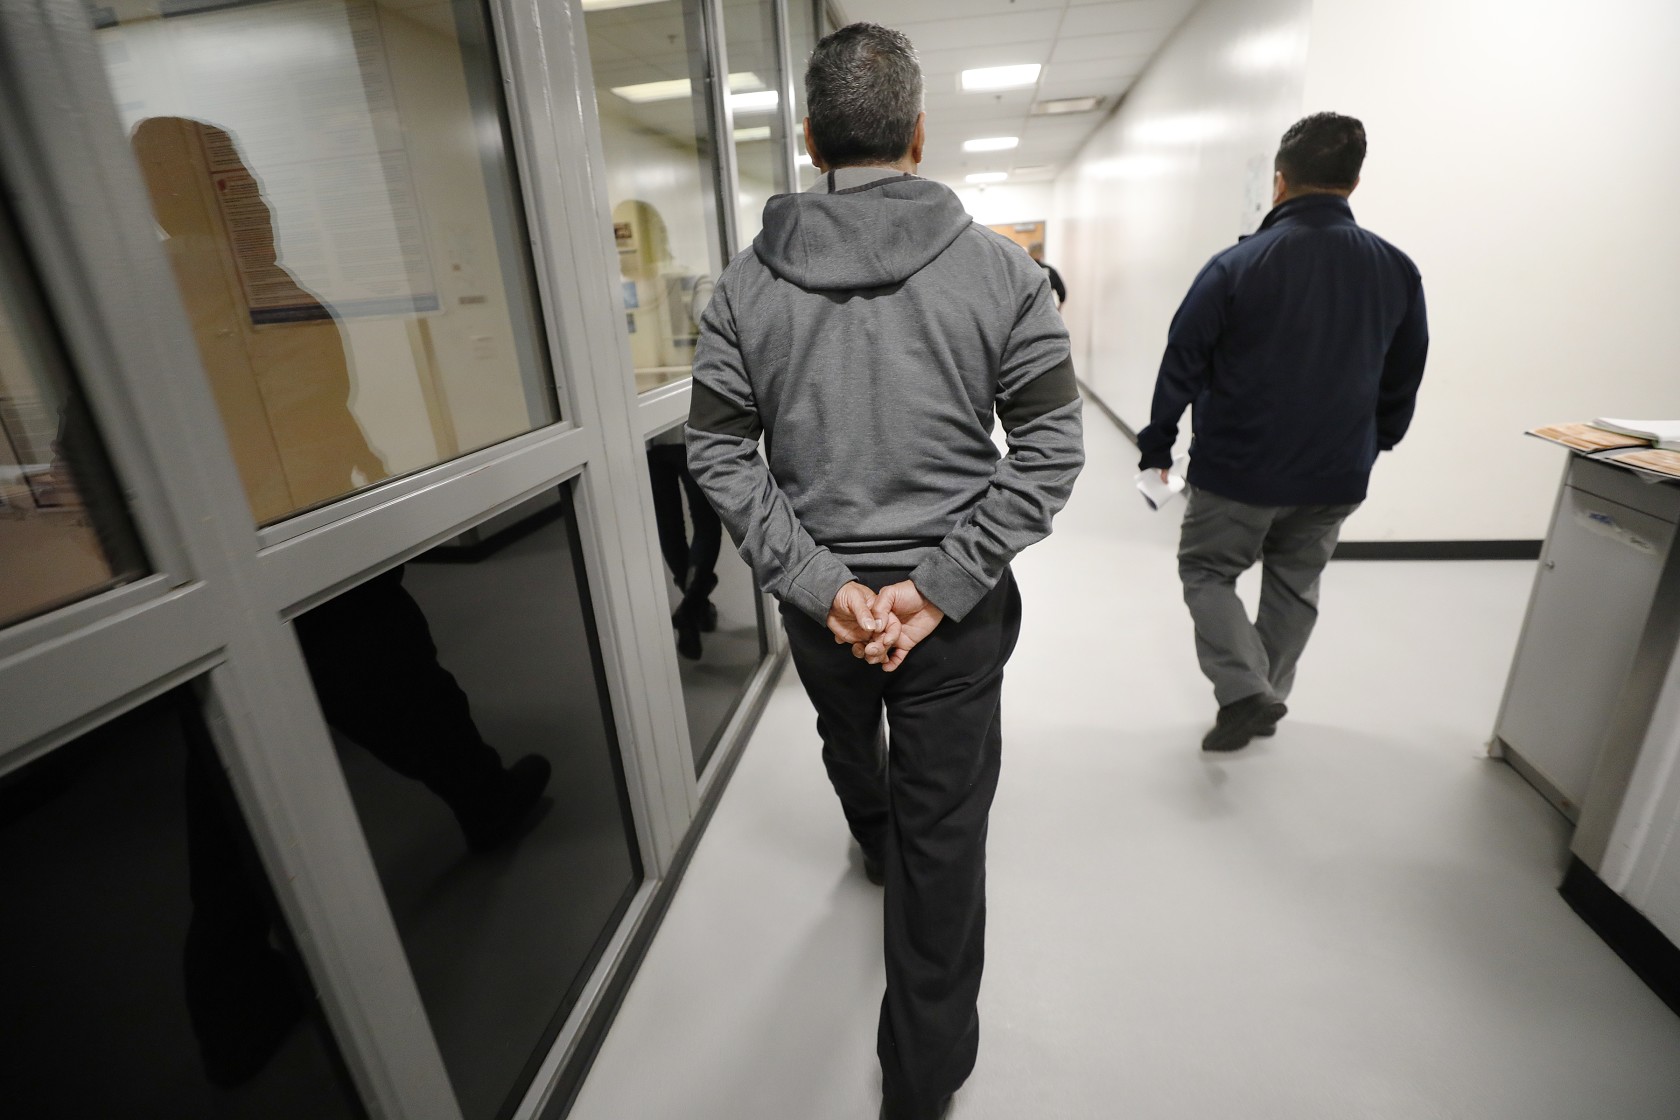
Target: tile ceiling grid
(1091, 48)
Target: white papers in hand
(1160, 494)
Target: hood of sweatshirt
(869, 236)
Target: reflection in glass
(145, 965)
(467, 694)
(64, 532)
(330, 180)
(802, 39)
(715, 605)
(650, 75)
(760, 140)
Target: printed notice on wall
(316, 178)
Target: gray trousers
(1221, 540)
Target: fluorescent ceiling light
(746, 135)
(1000, 77)
(987, 177)
(1065, 105)
(609, 5)
(759, 101)
(677, 88)
(991, 144)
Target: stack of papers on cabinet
(1588, 438)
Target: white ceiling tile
(894, 12)
(979, 107)
(1124, 45)
(979, 31)
(1123, 15)
(1101, 73)
(944, 67)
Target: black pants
(917, 792)
(377, 676)
(693, 564)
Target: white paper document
(1665, 434)
(1158, 493)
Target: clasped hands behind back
(882, 627)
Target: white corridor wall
(1522, 151)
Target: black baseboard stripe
(1114, 417)
(1377, 550)
(1438, 550)
(1653, 957)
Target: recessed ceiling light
(1035, 169)
(609, 5)
(675, 88)
(1065, 105)
(760, 101)
(991, 144)
(746, 135)
(987, 177)
(1000, 77)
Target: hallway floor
(1355, 920)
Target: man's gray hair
(863, 92)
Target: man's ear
(918, 139)
(1280, 187)
(1355, 186)
(811, 148)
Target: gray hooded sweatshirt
(870, 335)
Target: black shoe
(502, 816)
(240, 1001)
(900, 1110)
(1241, 721)
(688, 638)
(706, 615)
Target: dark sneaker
(688, 639)
(902, 1110)
(503, 817)
(706, 613)
(1241, 721)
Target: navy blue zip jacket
(1301, 348)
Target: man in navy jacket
(1299, 350)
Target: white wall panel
(1009, 202)
(1524, 153)
(1521, 152)
(1164, 184)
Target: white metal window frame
(82, 214)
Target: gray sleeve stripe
(1047, 392)
(710, 411)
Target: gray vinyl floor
(1356, 919)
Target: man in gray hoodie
(870, 336)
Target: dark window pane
(146, 971)
(467, 694)
(714, 601)
(64, 531)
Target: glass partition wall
(366, 654)
(662, 111)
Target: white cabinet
(1592, 596)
